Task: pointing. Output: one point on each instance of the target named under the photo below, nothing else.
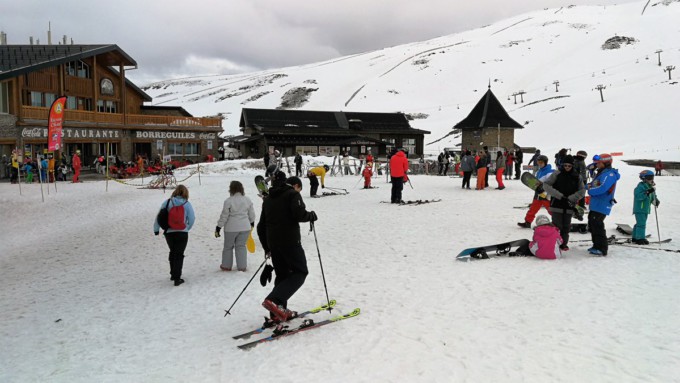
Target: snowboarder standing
(601, 190)
(398, 170)
(540, 197)
(566, 189)
(644, 196)
(279, 233)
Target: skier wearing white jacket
(237, 218)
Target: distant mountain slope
(556, 57)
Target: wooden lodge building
(488, 124)
(325, 133)
(103, 106)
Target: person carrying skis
(644, 196)
(566, 189)
(312, 174)
(279, 233)
(601, 190)
(546, 242)
(398, 170)
(367, 173)
(540, 197)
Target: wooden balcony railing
(40, 113)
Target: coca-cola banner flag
(55, 124)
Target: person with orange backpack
(176, 217)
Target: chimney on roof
(3, 38)
(64, 39)
(49, 33)
(30, 39)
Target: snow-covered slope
(441, 80)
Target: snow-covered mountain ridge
(553, 60)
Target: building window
(329, 150)
(36, 99)
(175, 149)
(78, 103)
(307, 150)
(49, 99)
(4, 98)
(409, 144)
(77, 69)
(191, 149)
(107, 106)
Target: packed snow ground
(86, 295)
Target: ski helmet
(542, 158)
(542, 220)
(605, 158)
(582, 153)
(326, 167)
(646, 175)
(596, 158)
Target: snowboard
(533, 183)
(262, 189)
(482, 251)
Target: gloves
(266, 275)
(323, 187)
(572, 199)
(155, 233)
(217, 231)
(252, 225)
(557, 195)
(650, 191)
(656, 203)
(312, 216)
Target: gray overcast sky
(170, 39)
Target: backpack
(176, 217)
(162, 217)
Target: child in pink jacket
(546, 242)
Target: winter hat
(542, 220)
(605, 158)
(582, 154)
(568, 159)
(266, 275)
(293, 180)
(279, 178)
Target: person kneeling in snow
(546, 242)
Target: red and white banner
(55, 124)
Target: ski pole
(227, 312)
(356, 184)
(658, 232)
(311, 225)
(337, 189)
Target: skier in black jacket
(565, 188)
(279, 233)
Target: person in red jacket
(398, 169)
(367, 173)
(76, 164)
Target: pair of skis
(284, 331)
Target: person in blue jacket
(178, 237)
(601, 190)
(644, 197)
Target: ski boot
(281, 313)
(526, 225)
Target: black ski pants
(313, 185)
(562, 219)
(397, 187)
(290, 266)
(597, 231)
(177, 242)
(518, 170)
(466, 179)
(298, 170)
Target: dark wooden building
(102, 107)
(325, 133)
(488, 124)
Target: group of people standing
(481, 164)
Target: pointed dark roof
(488, 113)
(16, 60)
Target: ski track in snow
(86, 294)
